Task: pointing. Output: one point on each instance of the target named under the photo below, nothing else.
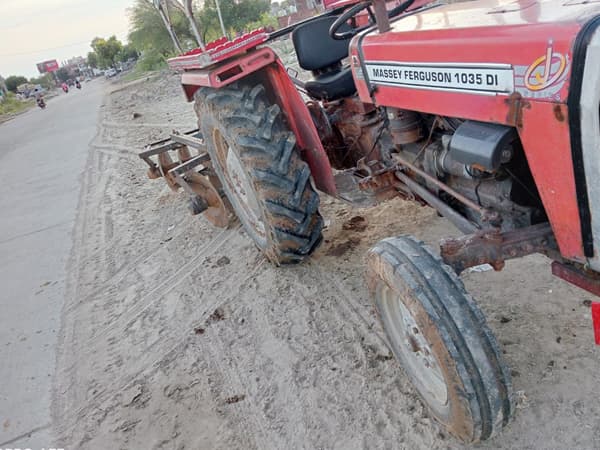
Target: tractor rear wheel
(256, 158)
(440, 337)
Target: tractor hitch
(192, 174)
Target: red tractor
(487, 111)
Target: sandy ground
(178, 335)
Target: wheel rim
(240, 186)
(412, 348)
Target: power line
(44, 50)
(33, 52)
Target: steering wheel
(345, 17)
(350, 13)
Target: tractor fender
(277, 82)
(264, 65)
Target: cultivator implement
(172, 160)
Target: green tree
(127, 52)
(46, 81)
(148, 31)
(13, 81)
(266, 20)
(92, 59)
(151, 60)
(237, 16)
(63, 74)
(107, 50)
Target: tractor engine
(482, 161)
(350, 130)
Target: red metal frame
(301, 123)
(226, 73)
(587, 281)
(551, 165)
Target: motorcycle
(78, 85)
(41, 103)
(65, 88)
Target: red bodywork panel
(438, 61)
(301, 123)
(226, 73)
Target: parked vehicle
(110, 73)
(488, 112)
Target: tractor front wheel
(256, 158)
(440, 337)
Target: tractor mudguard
(278, 82)
(264, 65)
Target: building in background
(289, 12)
(47, 66)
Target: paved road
(42, 154)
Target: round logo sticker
(546, 70)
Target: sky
(33, 31)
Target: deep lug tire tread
(471, 344)
(268, 151)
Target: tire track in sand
(125, 381)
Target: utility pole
(164, 14)
(189, 12)
(220, 18)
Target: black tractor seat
(323, 55)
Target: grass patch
(11, 105)
(134, 74)
(151, 61)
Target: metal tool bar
(166, 140)
(464, 200)
(457, 219)
(190, 141)
(151, 151)
(190, 164)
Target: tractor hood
(480, 48)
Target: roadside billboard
(47, 66)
